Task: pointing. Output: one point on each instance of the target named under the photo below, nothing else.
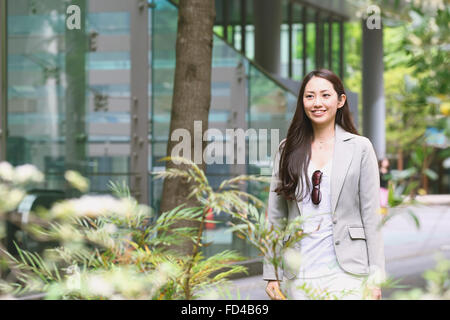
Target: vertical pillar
(319, 40)
(233, 34)
(290, 9)
(139, 100)
(239, 106)
(75, 97)
(243, 26)
(330, 42)
(304, 39)
(225, 18)
(341, 50)
(267, 18)
(373, 88)
(3, 66)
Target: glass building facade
(311, 36)
(69, 101)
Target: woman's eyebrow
(320, 91)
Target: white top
(318, 257)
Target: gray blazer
(355, 204)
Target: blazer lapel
(342, 158)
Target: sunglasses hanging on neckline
(316, 195)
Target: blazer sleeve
(277, 213)
(369, 199)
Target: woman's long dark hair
(295, 150)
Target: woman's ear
(341, 100)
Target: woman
(328, 174)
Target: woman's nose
(317, 101)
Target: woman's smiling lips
(318, 113)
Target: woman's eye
(309, 96)
(326, 95)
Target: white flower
(127, 281)
(10, 198)
(14, 198)
(110, 228)
(98, 286)
(73, 281)
(6, 171)
(27, 173)
(77, 181)
(93, 206)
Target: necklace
(322, 144)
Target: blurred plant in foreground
(274, 243)
(437, 287)
(111, 247)
(247, 219)
(13, 182)
(228, 198)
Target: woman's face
(321, 101)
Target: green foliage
(408, 181)
(438, 283)
(426, 43)
(114, 248)
(417, 82)
(397, 198)
(353, 54)
(404, 185)
(271, 241)
(416, 56)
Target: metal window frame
(3, 79)
(305, 34)
(325, 11)
(341, 49)
(320, 40)
(243, 26)
(330, 42)
(226, 18)
(290, 8)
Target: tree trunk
(192, 92)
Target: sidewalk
(249, 288)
